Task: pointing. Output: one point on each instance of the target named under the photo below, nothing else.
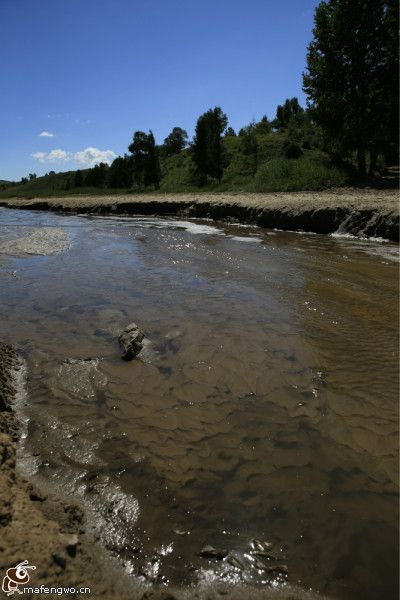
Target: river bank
(360, 212)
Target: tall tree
(121, 172)
(263, 126)
(175, 142)
(78, 178)
(249, 148)
(207, 147)
(97, 176)
(290, 111)
(146, 164)
(352, 64)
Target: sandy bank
(362, 212)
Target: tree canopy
(290, 111)
(146, 165)
(207, 148)
(175, 142)
(351, 65)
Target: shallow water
(264, 404)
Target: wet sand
(362, 212)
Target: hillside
(265, 169)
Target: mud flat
(360, 212)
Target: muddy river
(261, 417)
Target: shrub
(283, 174)
(292, 149)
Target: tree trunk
(361, 162)
(373, 159)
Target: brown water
(264, 405)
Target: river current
(263, 407)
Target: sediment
(50, 532)
(357, 211)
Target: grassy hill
(269, 170)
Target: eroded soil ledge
(361, 212)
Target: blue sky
(87, 73)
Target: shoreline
(360, 212)
(36, 524)
(50, 531)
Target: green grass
(305, 173)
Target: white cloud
(39, 156)
(87, 158)
(53, 156)
(47, 134)
(92, 156)
(58, 154)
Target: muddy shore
(360, 212)
(50, 531)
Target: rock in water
(130, 341)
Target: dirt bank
(363, 212)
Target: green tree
(249, 148)
(175, 142)
(78, 179)
(121, 172)
(207, 148)
(230, 132)
(290, 111)
(146, 164)
(263, 126)
(351, 65)
(97, 176)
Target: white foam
(239, 238)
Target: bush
(292, 149)
(287, 175)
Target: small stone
(71, 543)
(280, 569)
(233, 560)
(59, 560)
(211, 552)
(130, 341)
(259, 546)
(35, 496)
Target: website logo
(16, 576)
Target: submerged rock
(39, 241)
(130, 341)
(211, 552)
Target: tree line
(142, 167)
